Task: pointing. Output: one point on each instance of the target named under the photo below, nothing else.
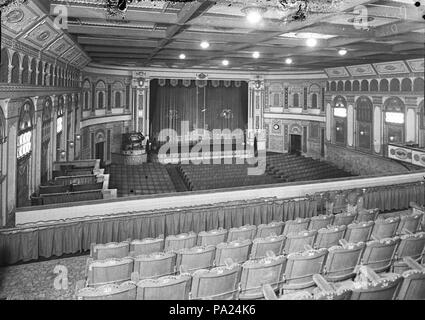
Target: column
(11, 170)
(36, 144)
(350, 121)
(377, 125)
(412, 126)
(53, 133)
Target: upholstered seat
(212, 237)
(342, 261)
(153, 265)
(113, 270)
(242, 233)
(359, 231)
(164, 288)
(255, 273)
(367, 215)
(123, 291)
(411, 245)
(237, 250)
(195, 258)
(379, 254)
(110, 250)
(413, 286)
(385, 228)
(260, 246)
(330, 236)
(296, 242)
(147, 246)
(344, 218)
(217, 283)
(296, 225)
(273, 228)
(180, 241)
(320, 221)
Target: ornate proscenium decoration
(6, 4)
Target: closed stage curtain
(173, 102)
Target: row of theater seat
(298, 168)
(147, 178)
(215, 176)
(198, 279)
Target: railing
(406, 153)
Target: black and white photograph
(220, 156)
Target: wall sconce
(391, 138)
(71, 144)
(62, 154)
(77, 137)
(338, 129)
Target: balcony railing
(407, 153)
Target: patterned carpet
(36, 281)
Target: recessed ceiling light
(256, 55)
(182, 56)
(205, 44)
(342, 52)
(288, 61)
(225, 62)
(254, 16)
(311, 42)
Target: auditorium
(212, 150)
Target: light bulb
(205, 45)
(311, 42)
(288, 61)
(182, 56)
(256, 55)
(254, 16)
(342, 52)
(225, 62)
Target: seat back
(157, 264)
(123, 291)
(180, 241)
(386, 288)
(113, 270)
(379, 254)
(110, 250)
(164, 288)
(413, 286)
(212, 237)
(242, 233)
(273, 228)
(326, 291)
(344, 218)
(146, 246)
(409, 223)
(220, 283)
(365, 215)
(237, 250)
(320, 221)
(300, 268)
(296, 225)
(256, 273)
(411, 245)
(295, 242)
(359, 231)
(330, 236)
(385, 228)
(195, 258)
(342, 260)
(260, 246)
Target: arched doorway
(364, 111)
(100, 147)
(394, 109)
(23, 153)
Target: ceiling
(155, 33)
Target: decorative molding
(339, 72)
(394, 67)
(361, 70)
(416, 65)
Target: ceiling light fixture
(288, 61)
(205, 44)
(342, 52)
(182, 56)
(311, 42)
(225, 62)
(256, 55)
(254, 13)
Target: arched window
(275, 99)
(340, 119)
(40, 73)
(406, 85)
(24, 147)
(364, 111)
(33, 79)
(15, 70)
(340, 86)
(418, 85)
(364, 86)
(296, 100)
(86, 93)
(4, 65)
(25, 69)
(356, 85)
(327, 86)
(347, 85)
(45, 139)
(100, 94)
(374, 87)
(59, 115)
(2, 140)
(394, 85)
(384, 85)
(118, 92)
(314, 101)
(394, 120)
(333, 86)
(422, 115)
(118, 99)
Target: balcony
(407, 153)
